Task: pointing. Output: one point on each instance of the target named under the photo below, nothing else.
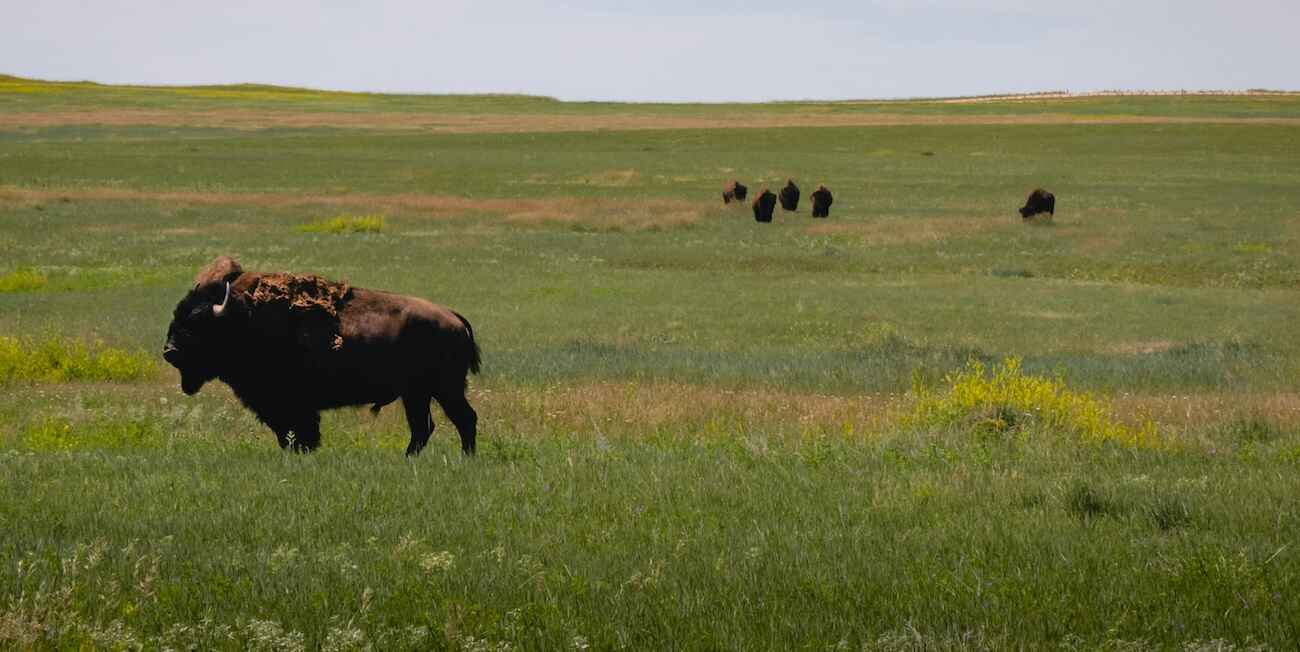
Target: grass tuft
(1007, 400)
(63, 360)
(1169, 512)
(23, 279)
(1085, 501)
(346, 224)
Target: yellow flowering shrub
(1008, 400)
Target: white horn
(217, 310)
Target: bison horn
(218, 309)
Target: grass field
(697, 432)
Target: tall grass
(678, 543)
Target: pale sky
(671, 50)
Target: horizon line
(1059, 94)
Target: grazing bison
(292, 345)
(790, 196)
(734, 192)
(1039, 201)
(763, 206)
(822, 199)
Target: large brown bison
(764, 204)
(822, 200)
(734, 192)
(1039, 201)
(292, 345)
(790, 196)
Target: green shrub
(23, 279)
(56, 434)
(61, 360)
(346, 224)
(1008, 400)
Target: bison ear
(222, 270)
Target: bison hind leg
(419, 420)
(458, 409)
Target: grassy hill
(920, 424)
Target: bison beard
(1039, 201)
(763, 206)
(292, 345)
(734, 192)
(790, 196)
(822, 200)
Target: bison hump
(307, 305)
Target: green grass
(696, 432)
(345, 224)
(58, 360)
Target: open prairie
(919, 424)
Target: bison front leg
(301, 434)
(306, 434)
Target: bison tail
(475, 355)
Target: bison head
(196, 337)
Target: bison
(1039, 201)
(763, 206)
(734, 192)
(822, 199)
(292, 345)
(790, 196)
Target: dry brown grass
(611, 178)
(523, 123)
(1200, 410)
(1140, 348)
(595, 214)
(900, 231)
(635, 409)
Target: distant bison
(1039, 201)
(790, 196)
(292, 345)
(763, 206)
(734, 192)
(822, 200)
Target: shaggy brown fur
(291, 345)
(734, 192)
(1039, 201)
(822, 200)
(790, 196)
(763, 206)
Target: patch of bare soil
(596, 214)
(523, 123)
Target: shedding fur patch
(306, 298)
